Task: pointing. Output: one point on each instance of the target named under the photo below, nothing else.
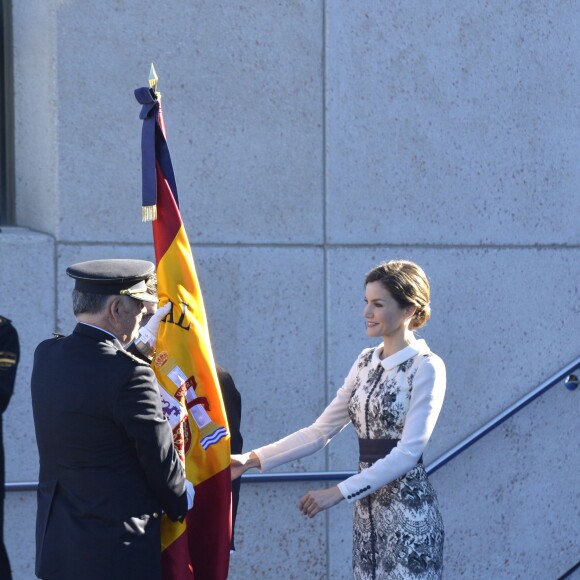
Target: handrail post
(571, 382)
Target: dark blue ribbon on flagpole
(154, 148)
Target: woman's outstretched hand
(239, 464)
(319, 500)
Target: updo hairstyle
(407, 284)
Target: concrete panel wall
(243, 109)
(311, 140)
(451, 123)
(36, 109)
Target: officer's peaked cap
(113, 277)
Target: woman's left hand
(319, 500)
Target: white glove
(190, 493)
(148, 333)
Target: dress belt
(369, 450)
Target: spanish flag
(200, 546)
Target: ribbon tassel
(149, 213)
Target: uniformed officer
(108, 466)
(9, 356)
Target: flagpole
(185, 369)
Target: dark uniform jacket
(9, 355)
(107, 462)
(233, 406)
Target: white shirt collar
(399, 357)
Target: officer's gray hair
(87, 302)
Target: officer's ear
(114, 307)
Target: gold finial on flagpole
(153, 78)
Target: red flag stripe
(168, 221)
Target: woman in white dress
(393, 395)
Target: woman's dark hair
(407, 284)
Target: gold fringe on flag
(149, 213)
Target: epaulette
(58, 335)
(4, 321)
(132, 356)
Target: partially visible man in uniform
(107, 462)
(9, 356)
(233, 406)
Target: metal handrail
(441, 460)
(569, 572)
(511, 410)
(21, 486)
(431, 468)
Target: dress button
(348, 496)
(155, 514)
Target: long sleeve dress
(397, 529)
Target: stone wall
(310, 141)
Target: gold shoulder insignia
(7, 359)
(133, 357)
(4, 321)
(58, 335)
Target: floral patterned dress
(397, 529)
